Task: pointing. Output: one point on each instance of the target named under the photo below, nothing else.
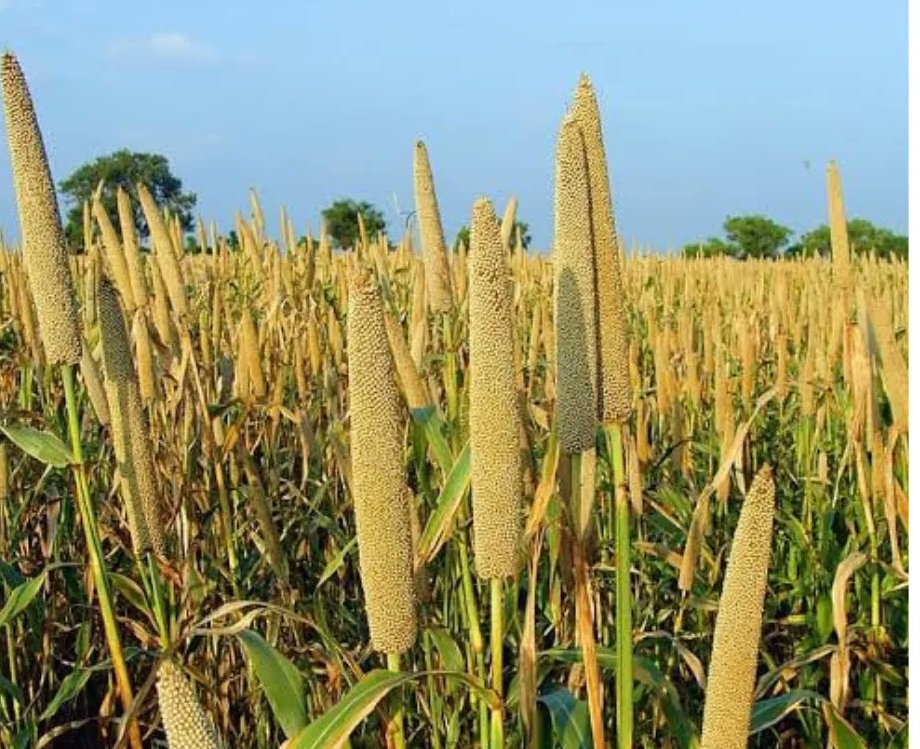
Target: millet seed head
(186, 724)
(117, 360)
(434, 250)
(44, 248)
(494, 416)
(381, 497)
(576, 326)
(733, 665)
(130, 429)
(614, 390)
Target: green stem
(450, 369)
(159, 608)
(624, 594)
(434, 696)
(498, 603)
(97, 565)
(396, 724)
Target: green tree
(463, 235)
(756, 236)
(712, 247)
(863, 235)
(125, 169)
(342, 221)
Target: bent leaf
(280, 680)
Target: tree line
(751, 236)
(757, 236)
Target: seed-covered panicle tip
(573, 264)
(381, 496)
(614, 390)
(44, 248)
(186, 724)
(434, 250)
(733, 665)
(495, 421)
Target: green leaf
(42, 446)
(332, 728)
(70, 687)
(570, 719)
(20, 597)
(281, 681)
(337, 561)
(9, 688)
(430, 422)
(768, 712)
(131, 591)
(441, 520)
(647, 673)
(842, 734)
(448, 650)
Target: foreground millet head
(186, 724)
(733, 665)
(614, 389)
(381, 497)
(495, 421)
(130, 430)
(44, 248)
(434, 250)
(573, 265)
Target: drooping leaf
(337, 561)
(281, 681)
(71, 686)
(569, 718)
(842, 734)
(440, 522)
(42, 446)
(430, 422)
(20, 597)
(331, 730)
(770, 711)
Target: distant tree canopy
(125, 168)
(342, 221)
(863, 235)
(761, 237)
(463, 235)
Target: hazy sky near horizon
(710, 109)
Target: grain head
(434, 250)
(576, 326)
(44, 247)
(494, 418)
(733, 666)
(381, 497)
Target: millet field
(275, 494)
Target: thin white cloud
(172, 46)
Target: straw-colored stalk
(165, 253)
(113, 252)
(414, 390)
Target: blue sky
(710, 108)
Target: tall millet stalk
(495, 426)
(48, 268)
